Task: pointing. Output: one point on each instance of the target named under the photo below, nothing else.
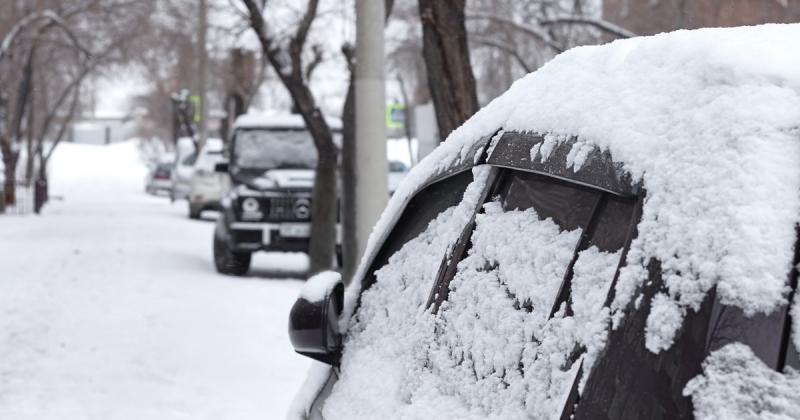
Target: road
(110, 307)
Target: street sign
(198, 113)
(395, 115)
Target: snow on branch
(24, 23)
(526, 29)
(508, 49)
(601, 24)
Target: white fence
(24, 204)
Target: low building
(647, 17)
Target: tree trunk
(450, 78)
(29, 136)
(323, 202)
(10, 163)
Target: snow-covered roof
(214, 145)
(270, 120)
(708, 121)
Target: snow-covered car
(186, 156)
(615, 237)
(207, 185)
(268, 207)
(159, 178)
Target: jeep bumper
(285, 237)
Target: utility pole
(202, 68)
(371, 166)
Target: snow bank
(319, 286)
(736, 384)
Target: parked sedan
(615, 237)
(207, 186)
(159, 179)
(186, 156)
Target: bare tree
(39, 22)
(286, 58)
(513, 38)
(61, 43)
(450, 78)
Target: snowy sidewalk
(110, 307)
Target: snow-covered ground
(110, 307)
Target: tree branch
(508, 49)
(316, 61)
(299, 40)
(601, 24)
(47, 15)
(526, 29)
(70, 115)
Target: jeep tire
(228, 261)
(194, 211)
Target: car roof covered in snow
(273, 120)
(707, 120)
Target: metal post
(202, 70)
(371, 166)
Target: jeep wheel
(229, 262)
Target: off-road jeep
(268, 205)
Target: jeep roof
(278, 121)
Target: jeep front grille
(289, 209)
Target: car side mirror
(221, 167)
(314, 318)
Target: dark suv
(268, 205)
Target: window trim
(599, 171)
(786, 340)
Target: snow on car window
(489, 330)
(736, 384)
(490, 351)
(275, 149)
(387, 338)
(593, 272)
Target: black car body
(630, 318)
(627, 381)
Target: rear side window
(508, 339)
(396, 289)
(422, 209)
(526, 305)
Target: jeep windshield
(275, 149)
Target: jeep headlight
(250, 205)
(250, 209)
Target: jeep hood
(279, 178)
